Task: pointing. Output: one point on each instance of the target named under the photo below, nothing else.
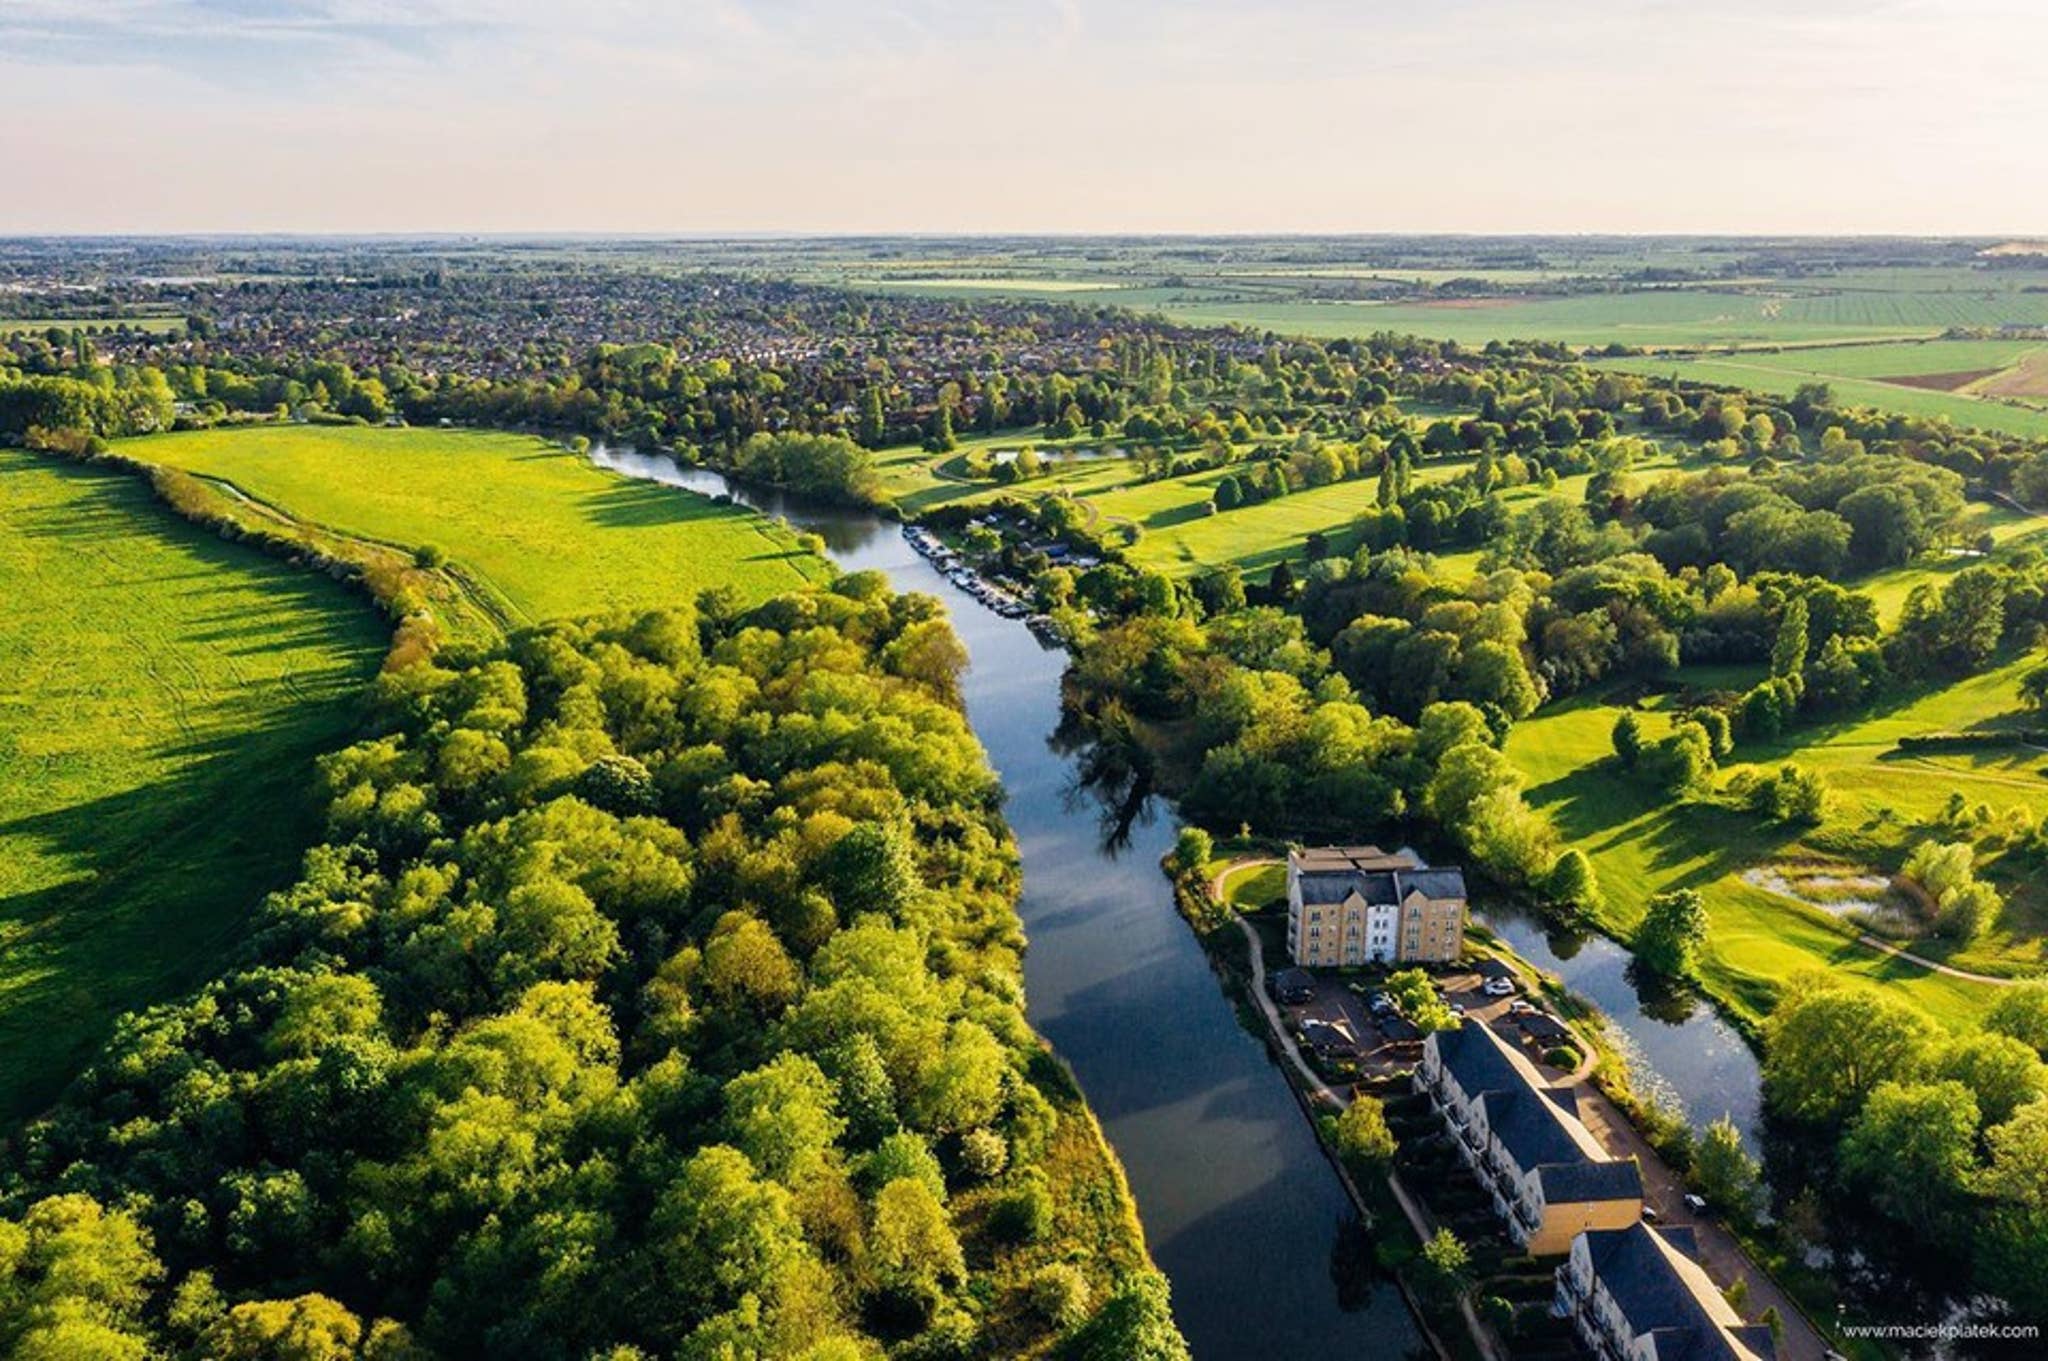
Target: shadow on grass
(166, 876)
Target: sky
(710, 116)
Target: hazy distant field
(162, 697)
(1853, 372)
(543, 532)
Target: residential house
(1522, 1137)
(1353, 905)
(1640, 1294)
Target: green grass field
(18, 325)
(162, 697)
(1881, 801)
(538, 531)
(1852, 373)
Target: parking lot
(1341, 1001)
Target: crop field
(162, 697)
(538, 532)
(1982, 370)
(19, 325)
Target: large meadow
(162, 697)
(166, 692)
(537, 531)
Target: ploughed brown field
(1939, 382)
(2028, 378)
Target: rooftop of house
(1348, 858)
(1537, 1124)
(1382, 886)
(1657, 1283)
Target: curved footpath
(1664, 1188)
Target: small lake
(1241, 1210)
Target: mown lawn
(1881, 801)
(540, 532)
(162, 697)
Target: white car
(1498, 987)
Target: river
(1241, 1211)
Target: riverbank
(1247, 1221)
(1665, 1188)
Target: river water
(1241, 1211)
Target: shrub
(1022, 1215)
(1059, 1295)
(1563, 1057)
(984, 1153)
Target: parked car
(1380, 1004)
(1697, 1204)
(1521, 1007)
(1294, 986)
(1650, 1215)
(1498, 987)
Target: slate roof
(1475, 1056)
(1657, 1295)
(1379, 886)
(1576, 1183)
(1527, 1125)
(1537, 1124)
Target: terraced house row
(1633, 1292)
(1522, 1137)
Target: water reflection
(1677, 1048)
(1240, 1208)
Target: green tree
(1827, 1047)
(1572, 883)
(911, 1239)
(1724, 1173)
(1788, 649)
(1628, 738)
(2021, 1011)
(1673, 929)
(1363, 1138)
(1192, 851)
(1914, 1147)
(2002, 1073)
(1444, 1268)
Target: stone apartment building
(1353, 905)
(1550, 1179)
(1640, 1294)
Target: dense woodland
(655, 992)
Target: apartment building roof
(1349, 858)
(1380, 886)
(1536, 1123)
(1661, 1289)
(1580, 1183)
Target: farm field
(162, 697)
(19, 325)
(1853, 373)
(538, 531)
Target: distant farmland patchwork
(1957, 379)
